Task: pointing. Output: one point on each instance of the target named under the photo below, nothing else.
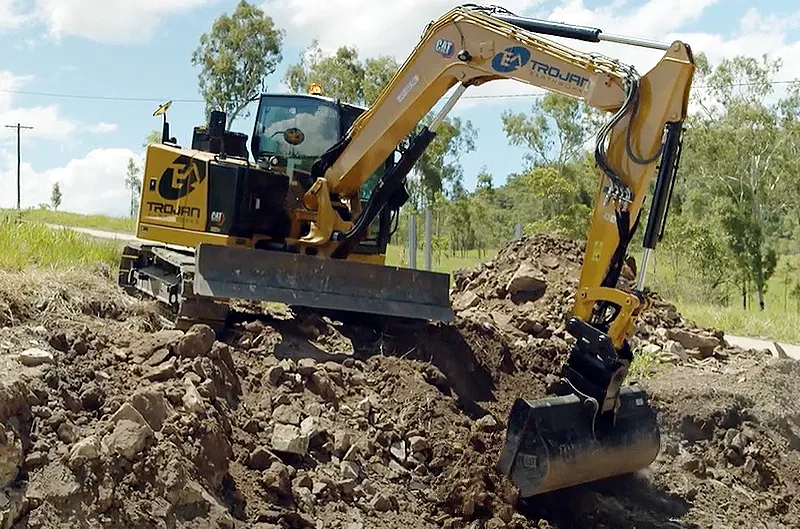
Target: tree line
(734, 211)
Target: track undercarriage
(166, 274)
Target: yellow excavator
(307, 220)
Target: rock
(158, 357)
(651, 349)
(85, 450)
(351, 454)
(303, 481)
(127, 412)
(465, 301)
(91, 397)
(152, 406)
(11, 455)
(691, 340)
(192, 400)
(261, 458)
(350, 469)
(342, 441)
(286, 414)
(35, 357)
(323, 385)
(496, 523)
(528, 283)
(398, 450)
(306, 366)
(310, 427)
(255, 326)
(67, 432)
(276, 479)
(418, 444)
(128, 438)
(197, 341)
(162, 372)
(149, 343)
(739, 442)
(274, 374)
(487, 423)
(381, 502)
(289, 439)
(675, 348)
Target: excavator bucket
(329, 284)
(552, 443)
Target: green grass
(780, 320)
(41, 246)
(398, 256)
(76, 220)
(25, 245)
(773, 323)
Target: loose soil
(296, 420)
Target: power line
(195, 100)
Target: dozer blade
(318, 283)
(550, 443)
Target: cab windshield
(295, 127)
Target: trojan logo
(181, 177)
(511, 59)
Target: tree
(55, 196)
(737, 150)
(154, 136)
(235, 58)
(133, 181)
(554, 131)
(341, 75)
(439, 165)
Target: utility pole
(19, 157)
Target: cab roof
(312, 96)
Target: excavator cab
(292, 131)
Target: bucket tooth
(554, 443)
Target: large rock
(289, 439)
(197, 341)
(527, 284)
(692, 340)
(128, 439)
(152, 406)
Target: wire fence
(417, 232)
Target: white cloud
(94, 184)
(11, 15)
(47, 122)
(395, 28)
(102, 128)
(109, 21)
(392, 28)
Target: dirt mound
(298, 421)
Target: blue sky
(112, 49)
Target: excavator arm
(603, 428)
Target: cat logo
(181, 177)
(217, 217)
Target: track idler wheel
(556, 442)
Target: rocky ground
(293, 420)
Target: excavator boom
(593, 428)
